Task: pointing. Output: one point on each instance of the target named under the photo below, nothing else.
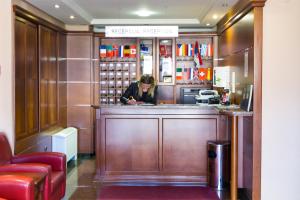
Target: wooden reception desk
(163, 143)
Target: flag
(102, 49)
(190, 50)
(197, 56)
(186, 74)
(202, 74)
(178, 74)
(195, 73)
(204, 50)
(144, 49)
(184, 49)
(115, 50)
(132, 51)
(109, 51)
(126, 51)
(179, 50)
(209, 50)
(121, 51)
(191, 73)
(208, 74)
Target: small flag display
(179, 50)
(178, 74)
(197, 56)
(190, 50)
(115, 50)
(132, 51)
(144, 49)
(209, 50)
(102, 50)
(202, 74)
(121, 51)
(127, 51)
(109, 51)
(208, 74)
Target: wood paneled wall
(233, 43)
(40, 103)
(80, 88)
(26, 79)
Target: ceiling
(185, 13)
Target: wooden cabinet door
(48, 78)
(52, 84)
(32, 94)
(20, 45)
(26, 79)
(44, 43)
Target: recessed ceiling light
(144, 13)
(215, 16)
(208, 24)
(72, 16)
(56, 6)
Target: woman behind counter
(142, 91)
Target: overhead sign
(141, 31)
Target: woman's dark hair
(147, 79)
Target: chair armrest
(27, 167)
(56, 160)
(31, 167)
(16, 187)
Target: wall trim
(239, 10)
(21, 12)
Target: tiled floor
(80, 180)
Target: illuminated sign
(141, 31)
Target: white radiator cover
(65, 141)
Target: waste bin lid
(219, 143)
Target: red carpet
(157, 193)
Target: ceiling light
(144, 13)
(215, 16)
(72, 16)
(56, 6)
(208, 24)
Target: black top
(133, 90)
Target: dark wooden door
(26, 79)
(32, 79)
(48, 78)
(52, 84)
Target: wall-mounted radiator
(65, 141)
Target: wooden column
(257, 99)
(234, 158)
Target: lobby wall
(6, 70)
(281, 97)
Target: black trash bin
(218, 153)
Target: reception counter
(163, 143)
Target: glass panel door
(166, 62)
(146, 57)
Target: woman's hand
(131, 102)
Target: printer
(208, 97)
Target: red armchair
(54, 164)
(16, 187)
